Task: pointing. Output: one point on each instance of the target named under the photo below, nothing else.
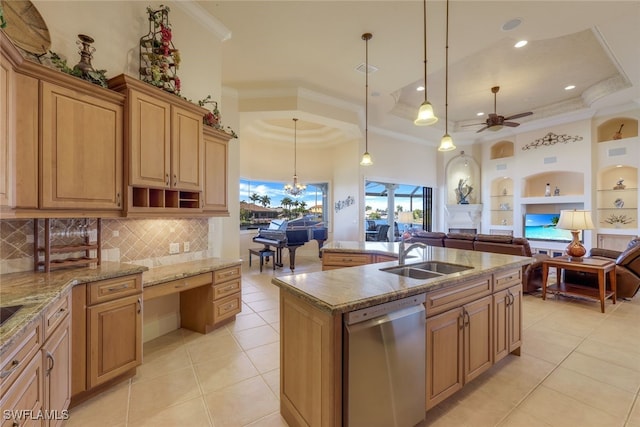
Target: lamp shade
(575, 220)
(366, 159)
(426, 116)
(446, 143)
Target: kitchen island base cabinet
(311, 364)
(507, 306)
(458, 348)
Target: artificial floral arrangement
(212, 118)
(94, 76)
(618, 219)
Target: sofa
(531, 274)
(627, 269)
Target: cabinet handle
(228, 288)
(175, 180)
(228, 273)
(118, 199)
(461, 321)
(139, 306)
(183, 285)
(52, 363)
(166, 179)
(466, 316)
(59, 313)
(14, 365)
(117, 288)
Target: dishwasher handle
(376, 311)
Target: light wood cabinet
(81, 150)
(107, 333)
(56, 354)
(7, 124)
(216, 164)
(507, 309)
(332, 260)
(458, 348)
(164, 154)
(24, 396)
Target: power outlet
(174, 248)
(187, 246)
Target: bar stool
(262, 253)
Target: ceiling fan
(496, 122)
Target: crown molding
(201, 15)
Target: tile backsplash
(140, 241)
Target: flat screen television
(542, 226)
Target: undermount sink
(426, 270)
(7, 312)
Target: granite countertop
(347, 289)
(36, 291)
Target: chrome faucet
(402, 252)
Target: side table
(605, 270)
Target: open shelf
(72, 237)
(160, 198)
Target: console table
(602, 268)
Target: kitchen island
(473, 319)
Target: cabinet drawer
(345, 259)
(505, 279)
(226, 307)
(225, 274)
(16, 357)
(108, 290)
(224, 289)
(444, 299)
(26, 394)
(56, 314)
(179, 285)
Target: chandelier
(366, 157)
(295, 188)
(426, 115)
(446, 143)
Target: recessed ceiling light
(570, 87)
(480, 114)
(420, 88)
(521, 43)
(618, 166)
(511, 24)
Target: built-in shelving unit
(143, 197)
(66, 243)
(502, 201)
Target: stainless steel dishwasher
(384, 364)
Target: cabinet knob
(175, 180)
(166, 179)
(14, 365)
(118, 199)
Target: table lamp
(575, 221)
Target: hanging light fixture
(446, 143)
(366, 157)
(295, 188)
(426, 116)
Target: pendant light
(446, 143)
(426, 116)
(366, 157)
(295, 189)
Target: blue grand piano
(291, 235)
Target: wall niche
(501, 150)
(617, 128)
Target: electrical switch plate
(174, 248)
(187, 246)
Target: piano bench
(262, 253)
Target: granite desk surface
(347, 289)
(35, 292)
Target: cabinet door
(115, 338)
(215, 175)
(444, 356)
(149, 141)
(478, 351)
(501, 314)
(25, 396)
(515, 318)
(57, 372)
(186, 150)
(7, 128)
(81, 150)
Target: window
(263, 201)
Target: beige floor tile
(192, 413)
(246, 321)
(598, 369)
(624, 334)
(242, 403)
(169, 340)
(610, 352)
(634, 416)
(570, 322)
(559, 410)
(256, 337)
(549, 345)
(519, 418)
(478, 405)
(272, 378)
(271, 316)
(216, 346)
(217, 373)
(591, 392)
(109, 408)
(148, 397)
(264, 305)
(265, 357)
(260, 295)
(273, 420)
(161, 361)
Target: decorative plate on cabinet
(25, 26)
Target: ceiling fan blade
(517, 116)
(480, 130)
(511, 124)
